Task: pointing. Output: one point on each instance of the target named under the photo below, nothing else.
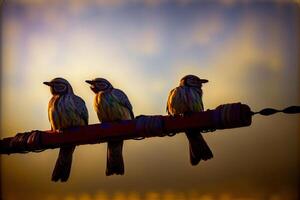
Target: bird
(65, 110)
(184, 100)
(111, 104)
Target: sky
(248, 50)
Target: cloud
(230, 62)
(204, 32)
(12, 31)
(147, 42)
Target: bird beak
(89, 82)
(48, 83)
(203, 80)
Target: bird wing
(81, 109)
(177, 101)
(52, 115)
(169, 101)
(123, 100)
(195, 97)
(184, 99)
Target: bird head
(59, 86)
(192, 81)
(99, 84)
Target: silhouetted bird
(65, 110)
(185, 99)
(111, 105)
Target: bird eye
(102, 85)
(59, 87)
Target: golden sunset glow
(248, 50)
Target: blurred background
(248, 50)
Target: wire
(147, 125)
(271, 111)
(27, 140)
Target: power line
(223, 117)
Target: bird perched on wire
(65, 110)
(185, 99)
(111, 104)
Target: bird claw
(58, 131)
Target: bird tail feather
(199, 149)
(115, 163)
(63, 164)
